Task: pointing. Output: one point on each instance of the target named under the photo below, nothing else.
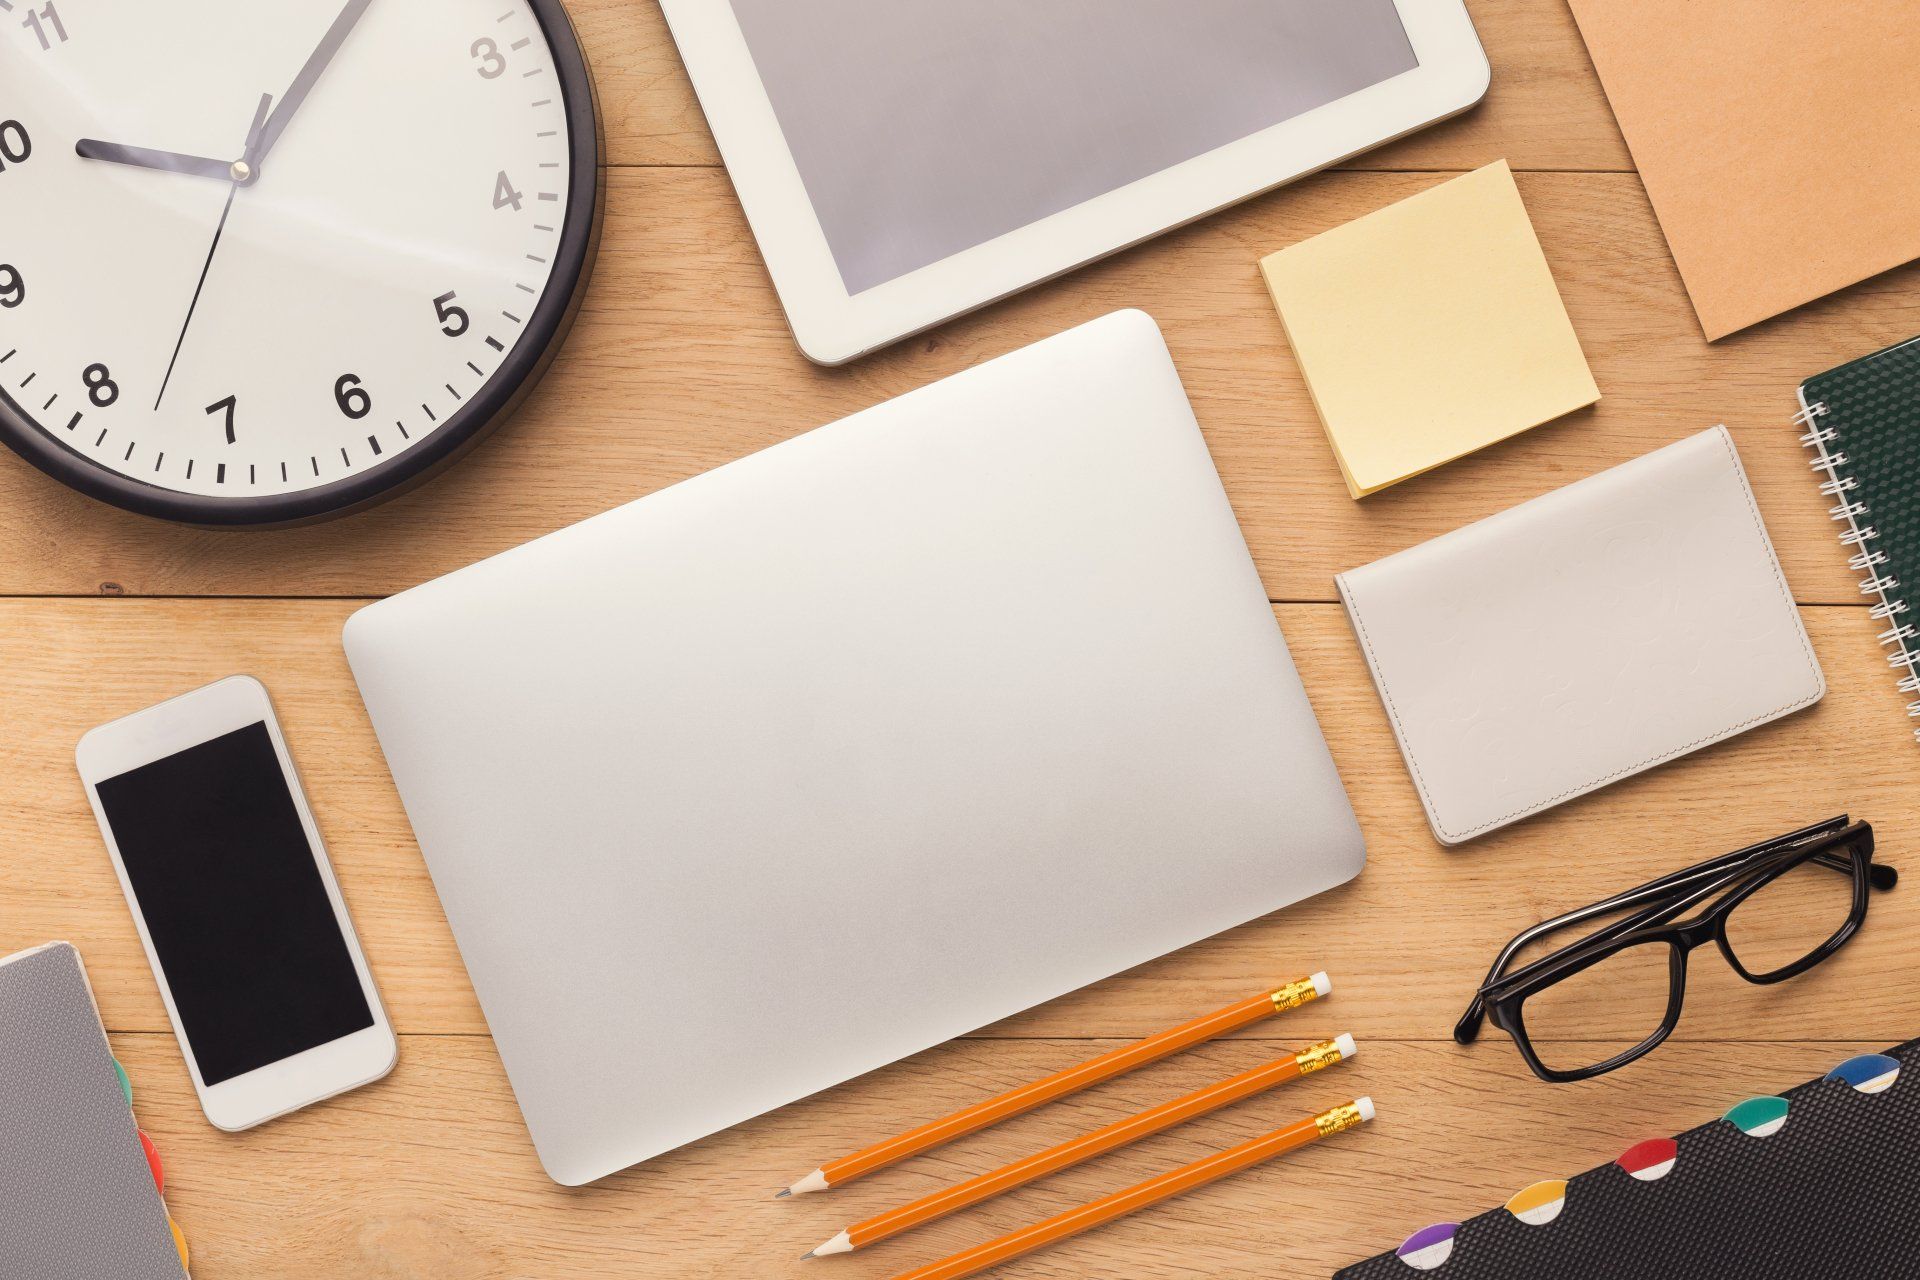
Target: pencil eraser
(1322, 984)
(1366, 1107)
(1344, 1043)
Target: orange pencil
(1088, 1145)
(1152, 1191)
(1073, 1079)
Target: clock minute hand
(146, 158)
(253, 141)
(317, 62)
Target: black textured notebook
(1819, 1183)
(1863, 422)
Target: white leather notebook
(1577, 639)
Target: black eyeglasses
(1782, 907)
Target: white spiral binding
(1904, 636)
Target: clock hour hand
(145, 158)
(302, 85)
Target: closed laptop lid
(852, 746)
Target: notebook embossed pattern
(1811, 1185)
(78, 1193)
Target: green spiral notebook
(1862, 420)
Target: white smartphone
(236, 904)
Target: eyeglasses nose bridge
(1698, 932)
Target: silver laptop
(852, 746)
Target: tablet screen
(922, 128)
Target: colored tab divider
(152, 1153)
(1869, 1073)
(1759, 1117)
(1538, 1205)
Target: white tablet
(904, 161)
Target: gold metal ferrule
(1337, 1119)
(1317, 1056)
(1294, 994)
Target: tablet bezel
(833, 326)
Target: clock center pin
(241, 171)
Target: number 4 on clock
(504, 196)
(44, 24)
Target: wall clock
(261, 264)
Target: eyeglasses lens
(1601, 1011)
(1789, 918)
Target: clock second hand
(241, 171)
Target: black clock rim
(545, 330)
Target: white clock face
(249, 249)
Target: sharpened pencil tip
(842, 1243)
(787, 1192)
(806, 1255)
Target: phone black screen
(235, 905)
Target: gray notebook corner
(80, 1201)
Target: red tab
(153, 1161)
(1651, 1160)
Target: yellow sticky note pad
(1429, 329)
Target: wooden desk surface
(680, 362)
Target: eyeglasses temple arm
(1880, 875)
(1666, 894)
